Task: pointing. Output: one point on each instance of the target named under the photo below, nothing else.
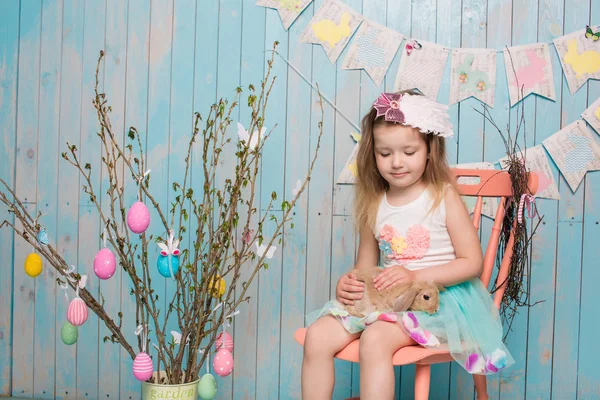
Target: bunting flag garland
(331, 27)
(579, 57)
(592, 115)
(473, 74)
(574, 151)
(422, 68)
(373, 50)
(288, 9)
(529, 70)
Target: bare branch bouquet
(220, 220)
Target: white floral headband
(426, 115)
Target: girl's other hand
(392, 276)
(349, 289)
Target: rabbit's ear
(405, 300)
(441, 288)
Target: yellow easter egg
(33, 265)
(217, 287)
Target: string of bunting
(372, 47)
(473, 74)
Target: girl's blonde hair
(370, 185)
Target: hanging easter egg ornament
(207, 386)
(77, 313)
(168, 260)
(33, 265)
(142, 364)
(217, 287)
(69, 333)
(105, 263)
(138, 216)
(223, 361)
(228, 341)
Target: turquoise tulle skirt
(467, 322)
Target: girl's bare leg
(378, 344)
(324, 338)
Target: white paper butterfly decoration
(296, 190)
(244, 135)
(260, 250)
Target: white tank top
(412, 236)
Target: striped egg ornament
(143, 367)
(77, 313)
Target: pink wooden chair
(492, 183)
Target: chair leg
(481, 387)
(422, 377)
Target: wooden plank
(9, 59)
(68, 184)
(228, 79)
(115, 61)
(48, 149)
(89, 220)
(570, 217)
(245, 330)
(498, 32)
(499, 25)
(524, 31)
(297, 159)
(180, 120)
(320, 190)
(543, 257)
(26, 187)
(135, 114)
(204, 90)
(205, 86)
(69, 189)
(268, 345)
(588, 375)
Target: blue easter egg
(163, 265)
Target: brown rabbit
(415, 296)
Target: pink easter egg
(223, 362)
(77, 313)
(228, 342)
(138, 217)
(105, 264)
(142, 367)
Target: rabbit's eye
(426, 297)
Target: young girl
(409, 214)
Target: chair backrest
(492, 183)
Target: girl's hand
(392, 276)
(349, 289)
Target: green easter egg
(69, 333)
(207, 387)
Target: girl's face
(401, 155)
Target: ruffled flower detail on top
(404, 249)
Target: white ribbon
(201, 351)
(141, 330)
(140, 179)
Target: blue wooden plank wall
(166, 59)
